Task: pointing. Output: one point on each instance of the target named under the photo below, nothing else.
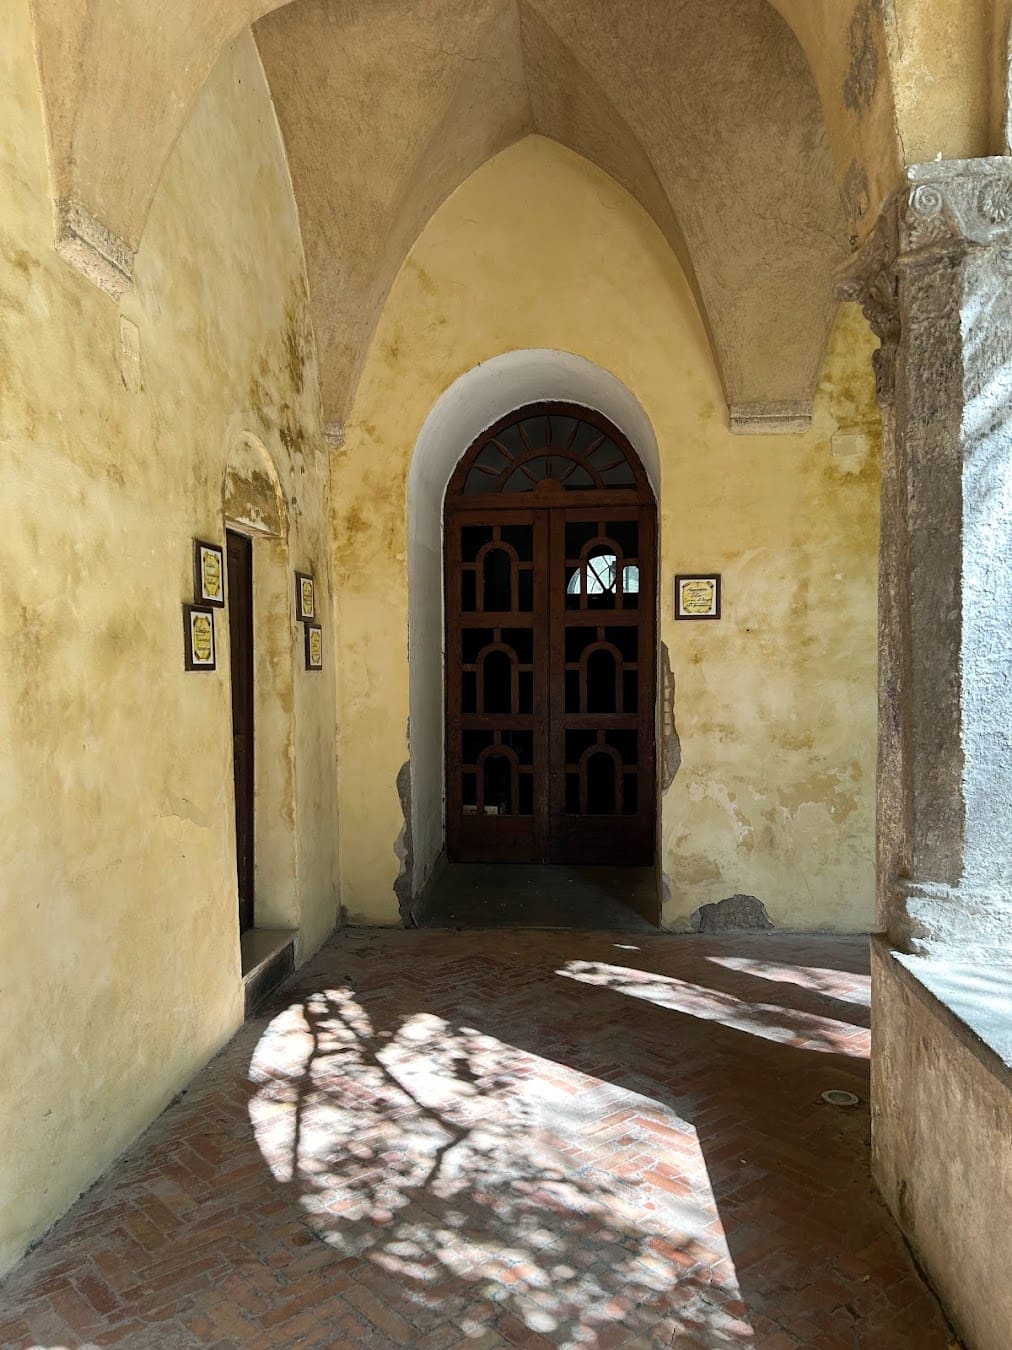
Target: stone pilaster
(936, 284)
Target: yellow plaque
(203, 638)
(697, 597)
(305, 597)
(314, 646)
(211, 564)
(208, 573)
(198, 631)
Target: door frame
(551, 504)
(254, 505)
(236, 542)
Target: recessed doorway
(239, 551)
(550, 588)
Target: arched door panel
(550, 645)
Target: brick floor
(507, 1139)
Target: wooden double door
(551, 659)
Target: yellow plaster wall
(775, 705)
(948, 61)
(120, 956)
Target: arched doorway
(550, 590)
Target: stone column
(935, 281)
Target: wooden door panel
(497, 686)
(602, 685)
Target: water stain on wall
(861, 80)
(294, 337)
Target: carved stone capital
(943, 211)
(954, 205)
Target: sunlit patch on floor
(439, 1152)
(845, 987)
(770, 1021)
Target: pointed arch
(474, 402)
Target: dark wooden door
(550, 645)
(497, 660)
(240, 631)
(601, 707)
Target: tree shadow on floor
(594, 1147)
(423, 1150)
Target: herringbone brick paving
(510, 1139)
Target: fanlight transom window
(602, 577)
(549, 447)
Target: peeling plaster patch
(730, 915)
(861, 80)
(251, 500)
(181, 808)
(252, 494)
(404, 846)
(671, 746)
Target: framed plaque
(305, 597)
(208, 573)
(314, 646)
(697, 596)
(198, 637)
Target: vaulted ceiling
(705, 112)
(761, 135)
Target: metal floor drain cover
(836, 1097)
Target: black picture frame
(193, 638)
(685, 615)
(302, 580)
(204, 592)
(314, 646)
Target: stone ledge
(770, 419)
(93, 249)
(268, 958)
(974, 1001)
